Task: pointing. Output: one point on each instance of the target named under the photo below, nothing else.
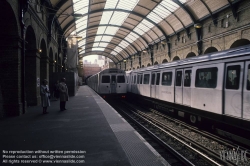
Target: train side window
(166, 78)
(134, 79)
(120, 79)
(178, 78)
(158, 79)
(206, 77)
(187, 79)
(141, 80)
(153, 79)
(146, 79)
(248, 78)
(105, 79)
(138, 79)
(233, 75)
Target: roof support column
(151, 51)
(139, 56)
(199, 40)
(131, 63)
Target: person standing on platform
(45, 94)
(64, 96)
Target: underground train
(214, 86)
(109, 82)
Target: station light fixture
(39, 51)
(197, 25)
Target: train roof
(110, 70)
(244, 50)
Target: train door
(233, 89)
(157, 83)
(113, 84)
(187, 87)
(138, 83)
(246, 92)
(178, 86)
(152, 85)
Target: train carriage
(216, 86)
(109, 82)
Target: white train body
(109, 82)
(216, 83)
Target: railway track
(185, 144)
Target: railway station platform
(90, 132)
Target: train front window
(233, 77)
(105, 79)
(248, 78)
(166, 78)
(206, 77)
(113, 79)
(120, 79)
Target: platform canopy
(119, 29)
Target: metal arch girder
(101, 52)
(177, 19)
(210, 12)
(98, 25)
(186, 10)
(105, 47)
(126, 11)
(197, 30)
(115, 37)
(111, 50)
(166, 36)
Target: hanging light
(197, 25)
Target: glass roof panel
(113, 53)
(81, 7)
(107, 38)
(98, 49)
(118, 49)
(103, 44)
(160, 12)
(114, 18)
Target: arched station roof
(119, 29)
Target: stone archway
(191, 54)
(32, 67)
(11, 73)
(165, 61)
(44, 72)
(176, 58)
(210, 50)
(240, 42)
(138, 67)
(156, 63)
(142, 66)
(148, 64)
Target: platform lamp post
(124, 64)
(198, 28)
